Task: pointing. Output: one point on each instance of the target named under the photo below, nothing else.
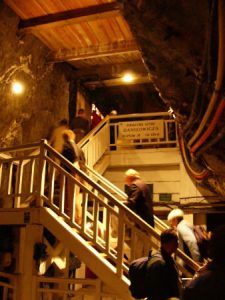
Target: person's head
(169, 240)
(63, 122)
(130, 176)
(175, 216)
(81, 112)
(217, 245)
(69, 135)
(5, 259)
(113, 112)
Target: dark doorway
(214, 220)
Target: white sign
(152, 129)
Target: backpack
(202, 238)
(138, 270)
(74, 153)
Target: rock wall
(183, 45)
(28, 117)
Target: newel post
(41, 177)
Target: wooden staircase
(109, 235)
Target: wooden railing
(113, 229)
(108, 135)
(7, 286)
(49, 288)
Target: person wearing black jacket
(139, 196)
(209, 282)
(163, 275)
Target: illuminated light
(128, 77)
(17, 88)
(171, 112)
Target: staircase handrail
(129, 217)
(130, 214)
(105, 192)
(87, 179)
(121, 195)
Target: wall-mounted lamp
(17, 87)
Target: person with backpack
(208, 283)
(187, 240)
(163, 276)
(156, 277)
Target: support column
(29, 235)
(73, 87)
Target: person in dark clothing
(163, 276)
(80, 125)
(209, 282)
(139, 197)
(81, 121)
(72, 152)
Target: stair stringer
(85, 252)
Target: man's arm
(189, 239)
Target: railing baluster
(95, 224)
(41, 174)
(121, 240)
(1, 171)
(62, 193)
(32, 174)
(18, 184)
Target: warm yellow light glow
(128, 77)
(17, 88)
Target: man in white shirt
(187, 239)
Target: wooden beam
(94, 51)
(117, 82)
(74, 16)
(109, 71)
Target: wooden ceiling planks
(85, 33)
(82, 35)
(70, 17)
(21, 8)
(90, 32)
(125, 26)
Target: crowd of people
(165, 281)
(207, 284)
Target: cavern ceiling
(176, 48)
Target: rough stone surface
(172, 35)
(28, 117)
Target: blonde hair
(175, 213)
(131, 173)
(68, 134)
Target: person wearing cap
(187, 240)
